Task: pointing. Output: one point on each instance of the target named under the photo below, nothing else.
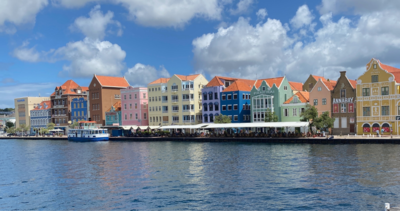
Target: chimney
(342, 73)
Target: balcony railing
(58, 115)
(185, 99)
(165, 111)
(175, 121)
(175, 111)
(175, 100)
(57, 96)
(59, 106)
(165, 101)
(174, 90)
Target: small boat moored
(87, 131)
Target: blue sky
(46, 42)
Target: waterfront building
(22, 109)
(134, 106)
(235, 101)
(343, 106)
(61, 102)
(311, 81)
(79, 109)
(269, 94)
(6, 117)
(104, 92)
(40, 115)
(211, 100)
(296, 86)
(175, 100)
(321, 96)
(113, 115)
(294, 106)
(378, 94)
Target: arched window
(366, 128)
(205, 107)
(210, 106)
(205, 117)
(375, 127)
(386, 128)
(211, 118)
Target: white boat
(87, 131)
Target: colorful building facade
(113, 115)
(23, 106)
(134, 106)
(40, 115)
(176, 100)
(294, 106)
(235, 101)
(269, 94)
(321, 96)
(378, 99)
(79, 109)
(344, 106)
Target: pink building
(134, 106)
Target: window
(135, 105)
(398, 110)
(295, 112)
(285, 88)
(385, 90)
(210, 96)
(366, 111)
(175, 118)
(152, 89)
(336, 123)
(315, 102)
(235, 118)
(374, 78)
(205, 96)
(174, 87)
(175, 108)
(216, 107)
(205, 118)
(130, 106)
(130, 116)
(286, 112)
(244, 96)
(229, 107)
(126, 117)
(319, 89)
(235, 107)
(365, 92)
(263, 88)
(125, 106)
(235, 97)
(323, 101)
(205, 107)
(223, 97)
(130, 96)
(385, 110)
(230, 117)
(343, 108)
(224, 107)
(344, 122)
(374, 66)
(144, 95)
(124, 97)
(229, 97)
(136, 116)
(343, 93)
(135, 96)
(145, 115)
(211, 107)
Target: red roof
(304, 97)
(270, 81)
(112, 81)
(393, 70)
(238, 85)
(296, 86)
(330, 84)
(353, 83)
(117, 106)
(187, 78)
(160, 81)
(42, 106)
(319, 77)
(70, 87)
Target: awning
(184, 126)
(145, 127)
(259, 124)
(128, 127)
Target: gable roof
(318, 77)
(216, 81)
(329, 84)
(117, 106)
(70, 87)
(270, 82)
(110, 81)
(296, 86)
(353, 83)
(303, 96)
(48, 103)
(187, 78)
(238, 85)
(160, 81)
(393, 70)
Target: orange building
(320, 95)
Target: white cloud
(266, 49)
(95, 26)
(302, 18)
(242, 6)
(73, 3)
(261, 14)
(141, 75)
(358, 6)
(26, 54)
(90, 57)
(14, 12)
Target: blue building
(79, 110)
(235, 101)
(40, 115)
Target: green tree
(309, 115)
(9, 124)
(51, 126)
(44, 131)
(222, 119)
(324, 121)
(270, 116)
(11, 130)
(74, 124)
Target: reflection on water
(59, 175)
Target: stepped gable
(270, 81)
(304, 97)
(160, 81)
(296, 86)
(111, 81)
(238, 85)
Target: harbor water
(62, 175)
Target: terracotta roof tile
(117, 106)
(396, 76)
(187, 78)
(304, 97)
(42, 106)
(389, 68)
(112, 81)
(270, 81)
(353, 83)
(330, 84)
(296, 86)
(160, 81)
(238, 85)
(216, 81)
(69, 87)
(319, 77)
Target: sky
(47, 42)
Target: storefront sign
(22, 100)
(352, 120)
(342, 100)
(115, 124)
(335, 108)
(351, 107)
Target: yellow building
(378, 99)
(176, 100)
(23, 106)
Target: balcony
(165, 111)
(175, 101)
(188, 110)
(59, 106)
(175, 111)
(174, 90)
(165, 101)
(188, 89)
(175, 121)
(58, 115)
(57, 97)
